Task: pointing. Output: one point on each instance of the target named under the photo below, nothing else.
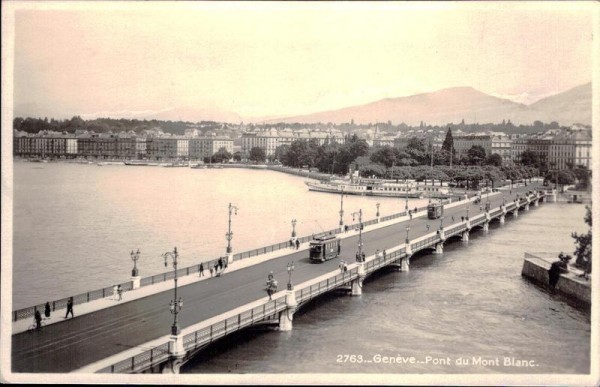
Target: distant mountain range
(436, 108)
(458, 103)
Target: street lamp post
(468, 206)
(407, 231)
(342, 208)
(176, 303)
(377, 215)
(229, 235)
(293, 228)
(441, 223)
(134, 257)
(290, 270)
(406, 201)
(360, 227)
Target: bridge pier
(527, 206)
(502, 218)
(442, 234)
(465, 236)
(357, 283)
(439, 248)
(516, 212)
(176, 355)
(287, 316)
(405, 263)
(536, 202)
(486, 226)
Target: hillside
(455, 104)
(571, 106)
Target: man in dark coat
(38, 319)
(47, 310)
(70, 308)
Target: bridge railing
(200, 337)
(334, 281)
(422, 243)
(380, 261)
(81, 298)
(455, 229)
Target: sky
(275, 59)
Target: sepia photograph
(318, 193)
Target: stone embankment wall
(535, 268)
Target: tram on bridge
(435, 210)
(324, 248)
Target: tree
(448, 144)
(476, 155)
(237, 156)
(281, 152)
(221, 155)
(564, 177)
(583, 176)
(494, 159)
(257, 155)
(530, 158)
(583, 242)
(385, 155)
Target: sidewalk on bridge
(145, 291)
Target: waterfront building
(167, 148)
(583, 149)
(45, 144)
(501, 145)
(267, 140)
(200, 148)
(462, 144)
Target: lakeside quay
(536, 268)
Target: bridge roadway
(80, 341)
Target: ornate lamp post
(176, 304)
(290, 270)
(293, 228)
(377, 210)
(406, 200)
(229, 235)
(468, 206)
(359, 214)
(441, 223)
(407, 231)
(342, 208)
(134, 257)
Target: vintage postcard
(366, 193)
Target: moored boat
(140, 163)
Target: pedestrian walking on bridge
(70, 308)
(201, 270)
(38, 319)
(47, 310)
(427, 225)
(297, 244)
(120, 292)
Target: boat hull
(317, 187)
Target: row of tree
(413, 162)
(104, 125)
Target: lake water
(75, 225)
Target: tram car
(324, 248)
(435, 210)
